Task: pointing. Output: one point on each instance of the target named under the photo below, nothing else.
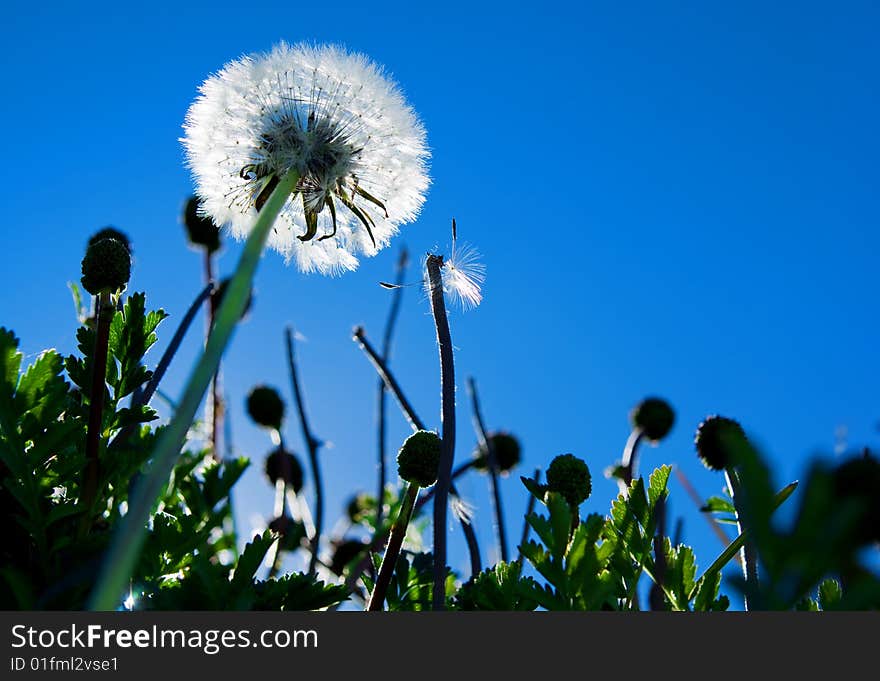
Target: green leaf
(502, 588)
(537, 489)
(719, 505)
(830, 594)
(10, 364)
(250, 559)
(657, 485)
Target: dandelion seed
(336, 119)
(463, 275)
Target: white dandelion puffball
(337, 120)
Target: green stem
(736, 545)
(392, 551)
(129, 539)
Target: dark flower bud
(266, 407)
(292, 532)
(569, 476)
(359, 507)
(654, 417)
(419, 458)
(859, 478)
(283, 465)
(345, 552)
(717, 440)
(111, 233)
(507, 453)
(220, 291)
(106, 266)
(200, 230)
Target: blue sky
(674, 199)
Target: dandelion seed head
(338, 120)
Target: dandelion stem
(129, 538)
(312, 445)
(447, 422)
(392, 550)
(487, 446)
(390, 323)
(104, 311)
(530, 508)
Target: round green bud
(419, 458)
(344, 552)
(507, 453)
(654, 417)
(106, 266)
(569, 476)
(859, 478)
(200, 230)
(265, 407)
(111, 233)
(359, 507)
(282, 465)
(220, 291)
(716, 441)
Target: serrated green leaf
(250, 559)
(657, 485)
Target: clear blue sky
(670, 198)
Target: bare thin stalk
(129, 537)
(447, 423)
(388, 378)
(104, 313)
(390, 324)
(456, 474)
(312, 445)
(630, 458)
(392, 551)
(530, 508)
(487, 446)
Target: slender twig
(174, 344)
(456, 474)
(392, 551)
(312, 445)
(697, 499)
(214, 403)
(390, 324)
(104, 312)
(530, 508)
(388, 378)
(447, 423)
(130, 535)
(487, 446)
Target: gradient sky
(670, 199)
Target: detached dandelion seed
(463, 275)
(333, 117)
